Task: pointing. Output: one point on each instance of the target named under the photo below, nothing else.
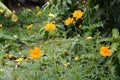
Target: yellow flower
(89, 38)
(104, 51)
(65, 64)
(76, 58)
(19, 60)
(10, 56)
(1, 70)
(29, 26)
(50, 26)
(69, 21)
(36, 53)
(39, 13)
(62, 76)
(51, 15)
(1, 11)
(77, 14)
(37, 7)
(0, 25)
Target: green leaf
(114, 46)
(6, 37)
(106, 39)
(101, 60)
(96, 15)
(118, 55)
(69, 1)
(115, 33)
(73, 47)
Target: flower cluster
(77, 14)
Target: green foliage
(105, 11)
(70, 52)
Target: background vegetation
(70, 52)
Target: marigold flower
(37, 7)
(77, 14)
(36, 53)
(39, 13)
(50, 26)
(51, 15)
(29, 26)
(69, 21)
(104, 51)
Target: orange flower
(36, 53)
(39, 13)
(77, 14)
(50, 26)
(104, 51)
(69, 21)
(29, 26)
